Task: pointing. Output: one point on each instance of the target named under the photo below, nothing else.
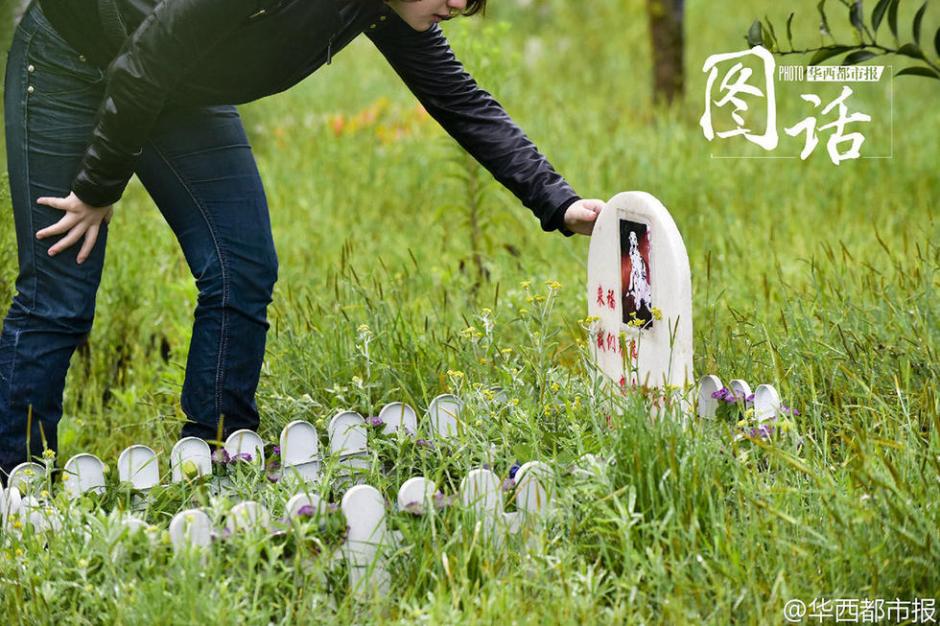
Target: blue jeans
(198, 167)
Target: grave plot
(640, 296)
(366, 537)
(757, 416)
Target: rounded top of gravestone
(27, 477)
(348, 434)
(398, 417)
(83, 473)
(300, 443)
(416, 495)
(245, 445)
(190, 529)
(138, 465)
(480, 490)
(707, 402)
(190, 458)
(444, 415)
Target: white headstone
(248, 442)
(348, 434)
(534, 482)
(28, 477)
(301, 500)
(190, 458)
(638, 264)
(190, 529)
(133, 525)
(300, 450)
(83, 473)
(399, 416)
(364, 509)
(416, 495)
(444, 415)
(707, 405)
(480, 492)
(247, 516)
(740, 389)
(766, 403)
(348, 440)
(138, 465)
(11, 503)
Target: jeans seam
(29, 194)
(223, 344)
(24, 95)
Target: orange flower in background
(279, 136)
(337, 124)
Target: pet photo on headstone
(635, 272)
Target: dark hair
(474, 7)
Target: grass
(819, 279)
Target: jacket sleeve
(147, 67)
(428, 66)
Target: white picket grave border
(365, 512)
(766, 401)
(362, 505)
(191, 457)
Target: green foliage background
(819, 279)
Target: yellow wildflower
(657, 313)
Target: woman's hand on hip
(80, 220)
(580, 216)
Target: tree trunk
(666, 19)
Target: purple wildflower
(424, 443)
(785, 409)
(243, 456)
(764, 431)
(749, 400)
(277, 450)
(442, 501)
(512, 470)
(221, 456)
(726, 395)
(305, 511)
(414, 508)
(376, 422)
(332, 507)
(508, 484)
(273, 477)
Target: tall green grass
(819, 279)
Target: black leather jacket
(199, 52)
